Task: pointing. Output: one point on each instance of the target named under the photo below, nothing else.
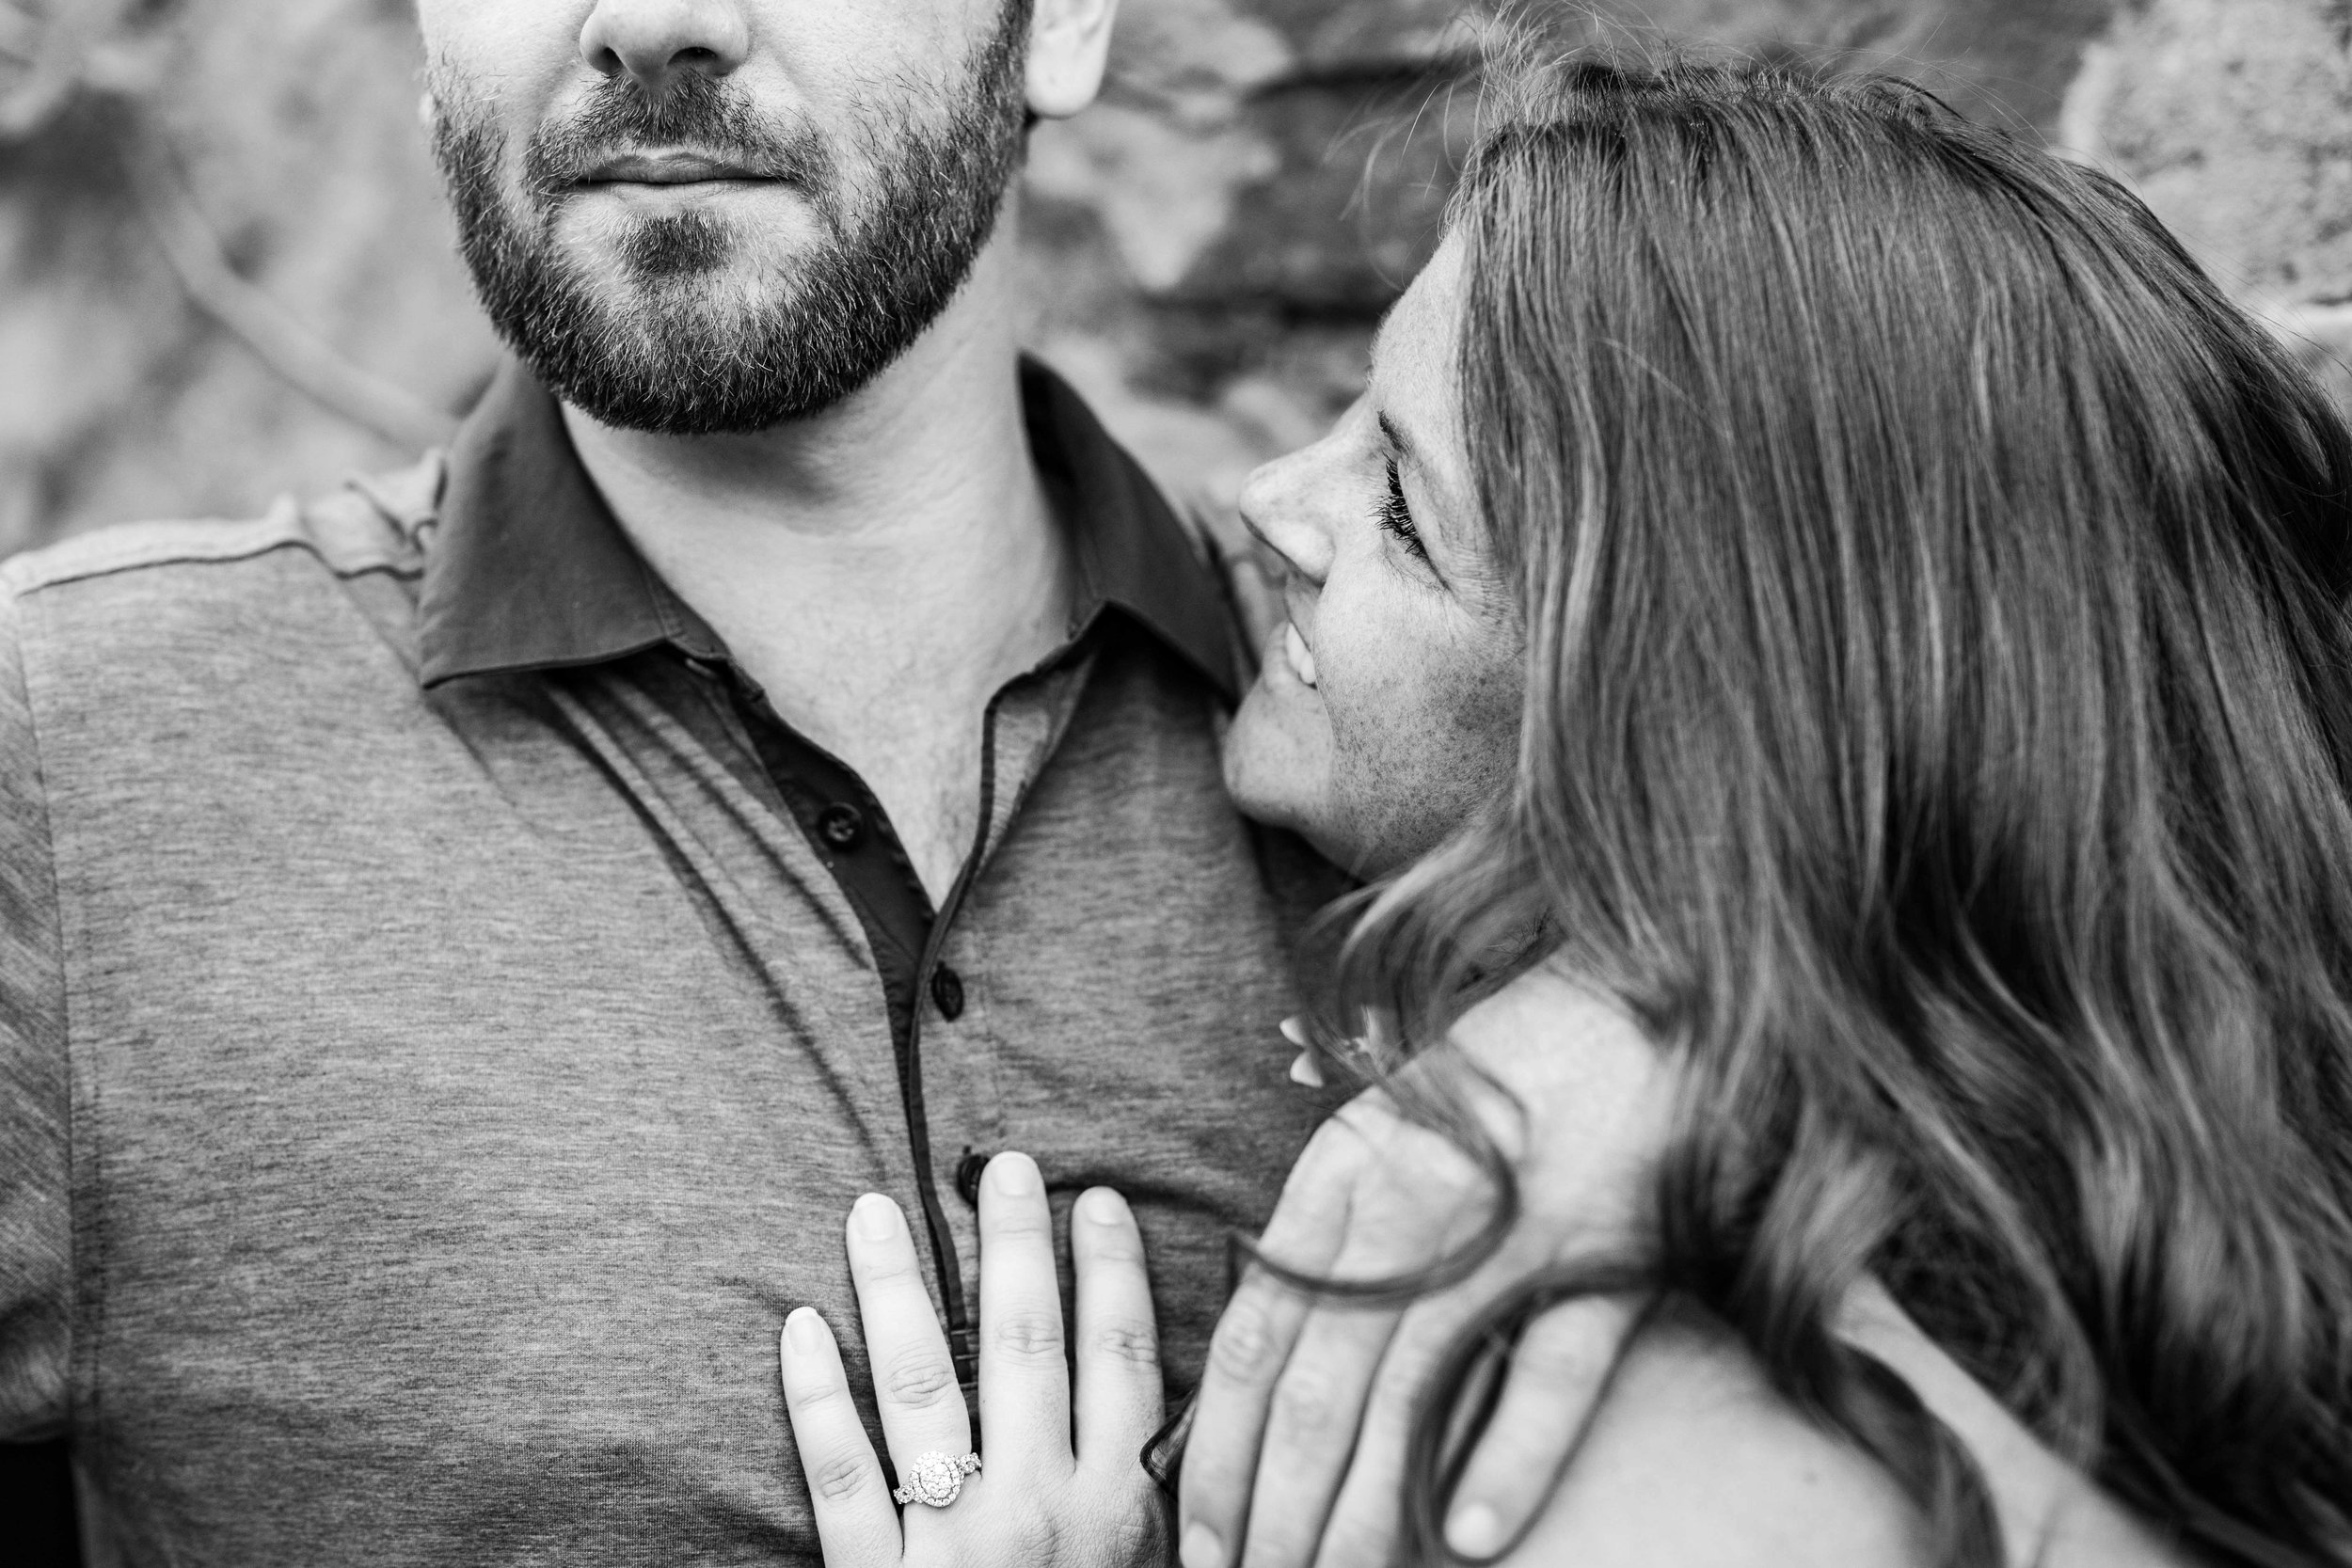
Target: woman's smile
(1300, 658)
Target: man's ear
(1068, 43)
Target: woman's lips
(1302, 658)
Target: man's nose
(655, 41)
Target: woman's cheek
(1426, 725)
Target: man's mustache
(693, 113)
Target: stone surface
(1213, 243)
(292, 127)
(1266, 174)
(2234, 118)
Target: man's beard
(677, 348)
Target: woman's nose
(1283, 505)
(656, 42)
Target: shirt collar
(528, 569)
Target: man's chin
(674, 392)
(682, 357)
(731, 241)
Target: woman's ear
(1068, 43)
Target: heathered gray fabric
(464, 1084)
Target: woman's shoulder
(1693, 1460)
(1548, 1035)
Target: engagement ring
(936, 1480)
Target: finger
(1405, 1216)
(1025, 1380)
(1118, 1349)
(1558, 1375)
(914, 1382)
(1310, 1433)
(1555, 1378)
(1364, 1521)
(1251, 1343)
(857, 1522)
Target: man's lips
(671, 169)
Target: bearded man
(466, 942)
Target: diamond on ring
(935, 1479)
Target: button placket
(842, 827)
(947, 992)
(968, 1173)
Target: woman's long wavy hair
(1939, 709)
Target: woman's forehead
(1413, 384)
(1414, 347)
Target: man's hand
(1296, 1455)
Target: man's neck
(880, 568)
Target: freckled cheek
(1482, 698)
(1424, 706)
(1373, 688)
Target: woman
(1923, 593)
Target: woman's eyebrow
(1405, 451)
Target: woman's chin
(1279, 773)
(1278, 758)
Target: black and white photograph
(1176, 784)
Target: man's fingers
(1404, 1213)
(1362, 1527)
(1252, 1342)
(1315, 1418)
(1407, 1192)
(914, 1382)
(1310, 1433)
(1118, 1349)
(1557, 1377)
(1025, 1381)
(856, 1521)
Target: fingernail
(1201, 1549)
(1294, 1031)
(875, 1218)
(1307, 1070)
(1015, 1174)
(804, 1331)
(1101, 1206)
(1474, 1531)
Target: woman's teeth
(1302, 661)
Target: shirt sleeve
(36, 1230)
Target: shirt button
(841, 826)
(947, 990)
(968, 1173)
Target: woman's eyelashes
(1395, 517)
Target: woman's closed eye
(1395, 517)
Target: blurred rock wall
(1224, 230)
(227, 272)
(2234, 118)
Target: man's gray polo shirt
(423, 1099)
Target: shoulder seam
(277, 529)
